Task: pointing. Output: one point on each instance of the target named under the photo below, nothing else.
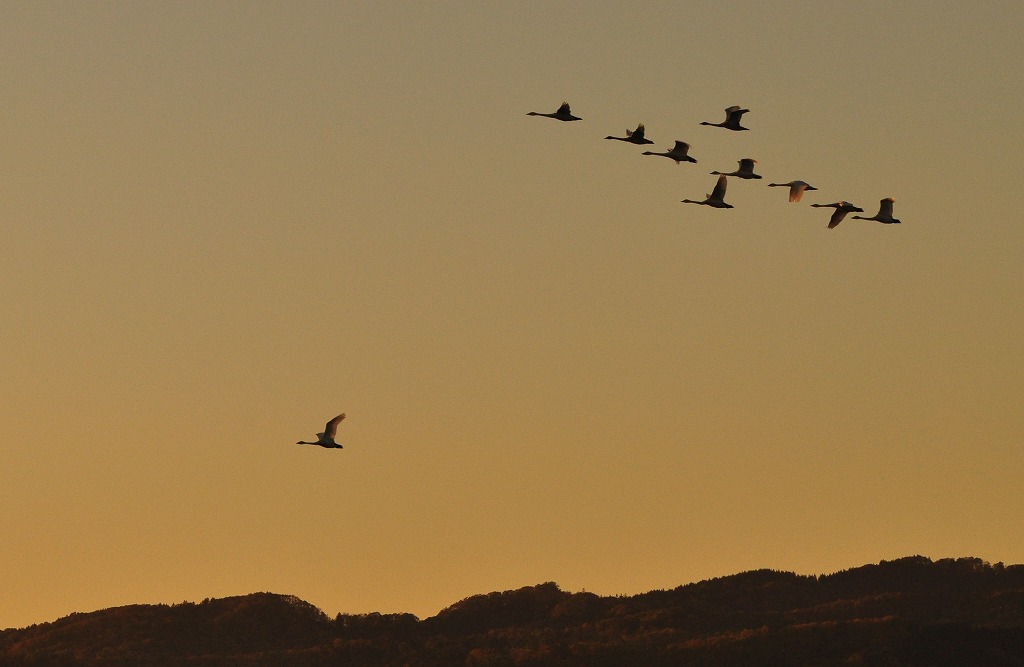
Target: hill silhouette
(910, 611)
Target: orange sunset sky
(223, 223)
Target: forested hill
(910, 611)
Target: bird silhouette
(746, 169)
(326, 439)
(679, 152)
(796, 188)
(841, 209)
(884, 214)
(563, 113)
(717, 196)
(634, 136)
(732, 119)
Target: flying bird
(884, 214)
(841, 209)
(679, 152)
(563, 113)
(326, 439)
(634, 137)
(732, 119)
(796, 188)
(717, 196)
(746, 169)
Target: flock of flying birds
(680, 152)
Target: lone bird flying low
(634, 136)
(717, 196)
(732, 119)
(884, 214)
(326, 439)
(563, 113)
(746, 169)
(841, 209)
(796, 188)
(679, 152)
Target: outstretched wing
(681, 148)
(638, 133)
(796, 191)
(564, 109)
(735, 112)
(332, 426)
(837, 217)
(885, 208)
(719, 191)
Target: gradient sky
(223, 223)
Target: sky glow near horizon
(222, 224)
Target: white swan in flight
(563, 113)
(884, 214)
(796, 188)
(326, 439)
(841, 209)
(746, 169)
(717, 196)
(634, 136)
(732, 119)
(679, 152)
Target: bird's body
(563, 113)
(884, 214)
(841, 209)
(732, 119)
(717, 196)
(796, 188)
(746, 169)
(679, 152)
(326, 439)
(634, 136)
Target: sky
(221, 224)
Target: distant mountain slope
(910, 611)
